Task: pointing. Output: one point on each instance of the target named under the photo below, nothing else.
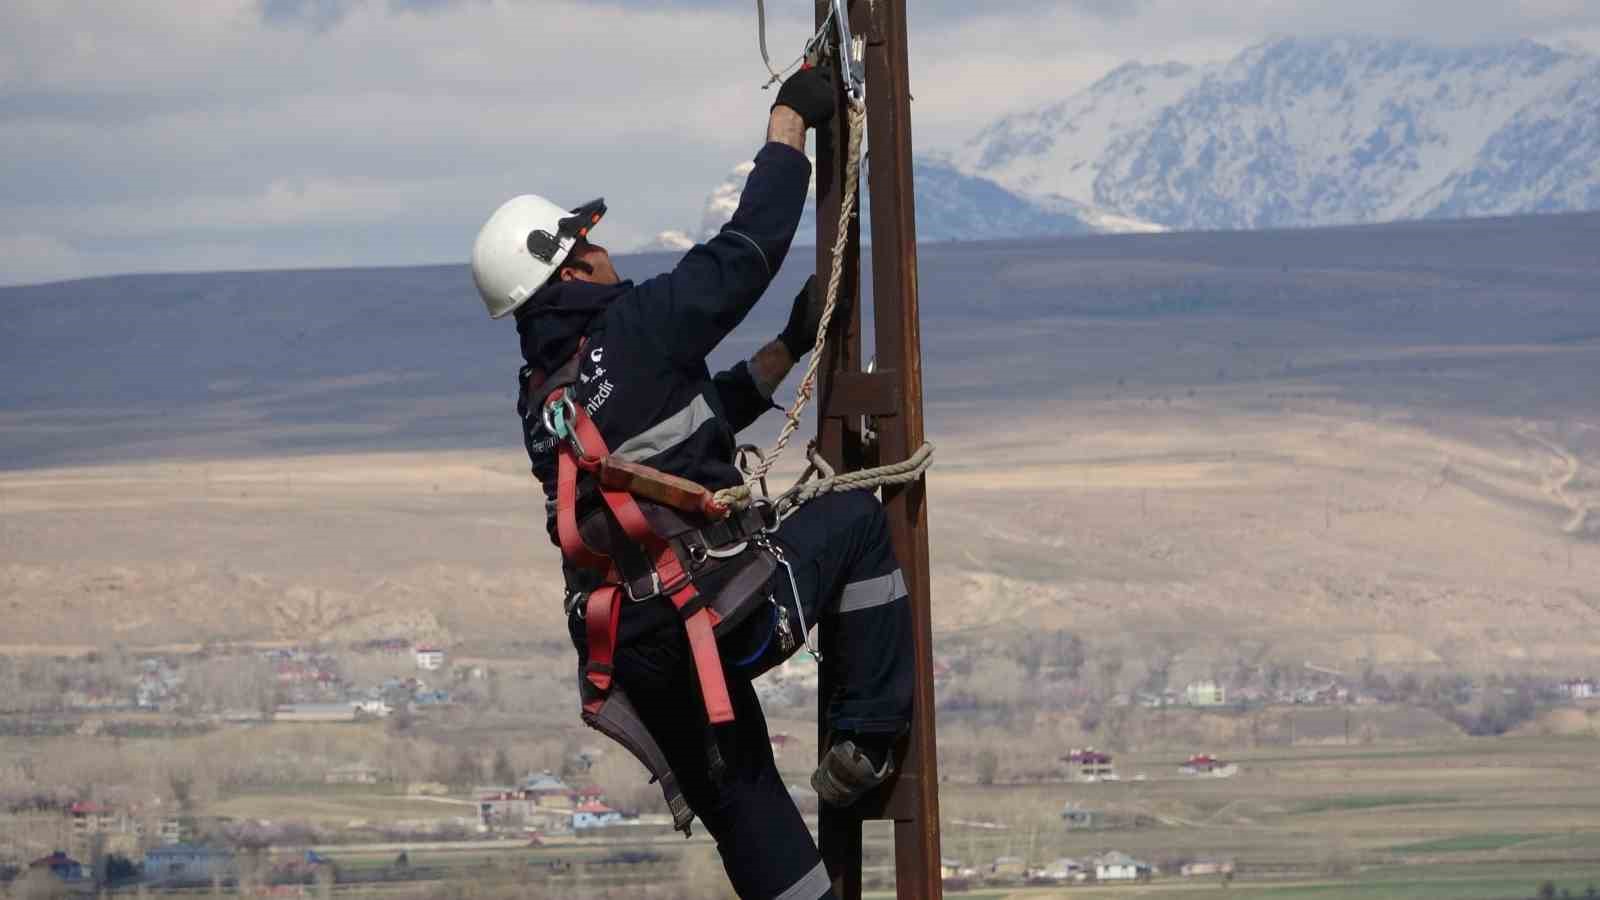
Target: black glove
(810, 93)
(800, 335)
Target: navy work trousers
(844, 567)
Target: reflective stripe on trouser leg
(812, 885)
(846, 570)
(869, 654)
(870, 592)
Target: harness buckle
(655, 588)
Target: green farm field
(1469, 819)
(1483, 818)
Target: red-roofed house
(60, 865)
(594, 814)
(1089, 764)
(1207, 764)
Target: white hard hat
(523, 244)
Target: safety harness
(671, 532)
(660, 553)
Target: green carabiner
(557, 417)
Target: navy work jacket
(643, 377)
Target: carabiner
(794, 591)
(852, 51)
(852, 55)
(558, 417)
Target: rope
(866, 479)
(736, 496)
(761, 35)
(806, 490)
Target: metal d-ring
(770, 519)
(725, 552)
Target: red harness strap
(600, 619)
(603, 606)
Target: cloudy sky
(166, 135)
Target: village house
(430, 659)
(594, 814)
(60, 865)
(1579, 689)
(1064, 870)
(1202, 867)
(1008, 868)
(188, 864)
(92, 818)
(158, 683)
(384, 646)
(502, 809)
(1329, 694)
(1117, 866)
(1207, 764)
(1205, 693)
(546, 790)
(316, 712)
(117, 829)
(1089, 764)
(1076, 816)
(94, 698)
(541, 801)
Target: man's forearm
(785, 126)
(770, 366)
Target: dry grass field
(1321, 533)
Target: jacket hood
(557, 317)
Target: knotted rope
(805, 490)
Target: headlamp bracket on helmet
(544, 246)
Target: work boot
(846, 773)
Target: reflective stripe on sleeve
(668, 433)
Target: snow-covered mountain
(1314, 132)
(951, 206)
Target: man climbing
(614, 364)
